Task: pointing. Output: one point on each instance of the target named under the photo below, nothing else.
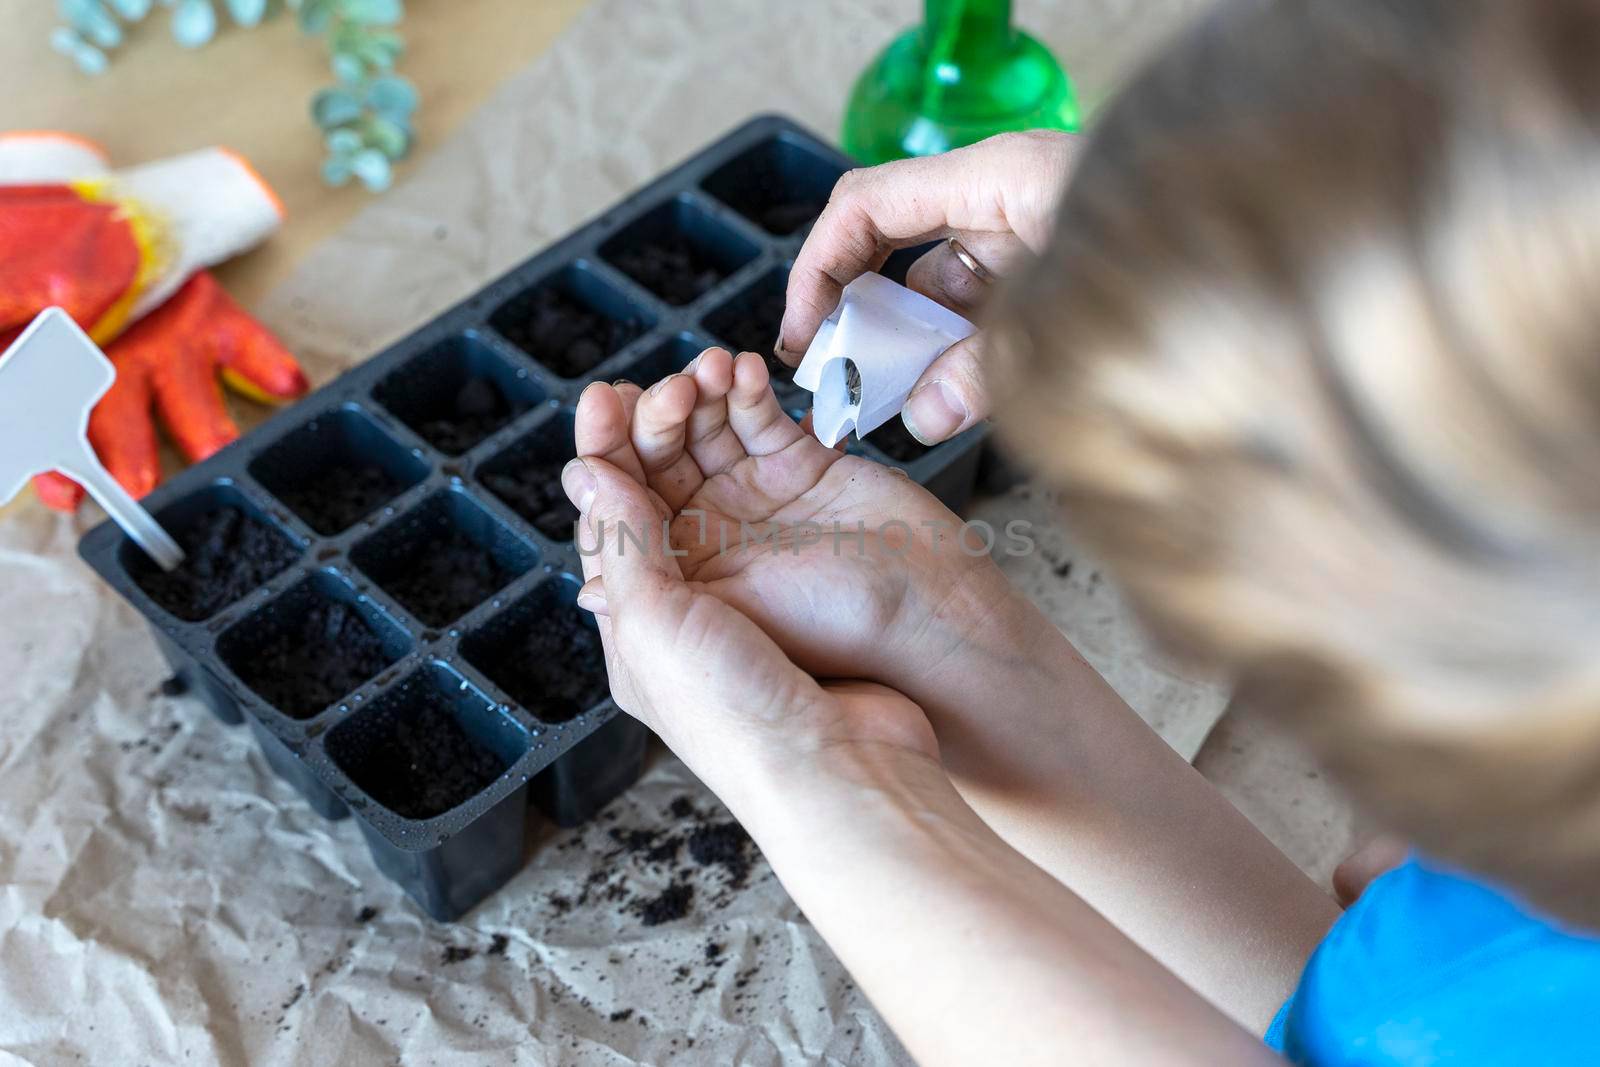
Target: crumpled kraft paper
(165, 899)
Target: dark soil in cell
(226, 554)
(765, 199)
(672, 268)
(535, 493)
(477, 410)
(896, 442)
(336, 496)
(448, 575)
(556, 669)
(788, 216)
(563, 334)
(418, 762)
(318, 656)
(753, 327)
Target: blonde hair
(1315, 358)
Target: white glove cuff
(214, 206)
(47, 157)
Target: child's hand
(755, 507)
(700, 673)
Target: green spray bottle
(964, 74)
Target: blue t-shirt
(1428, 967)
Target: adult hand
(856, 571)
(998, 197)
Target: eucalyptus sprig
(365, 117)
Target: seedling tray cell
(381, 577)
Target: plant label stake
(868, 355)
(50, 379)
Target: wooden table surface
(250, 89)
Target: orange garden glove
(115, 249)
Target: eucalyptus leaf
(336, 170)
(65, 39)
(194, 22)
(391, 138)
(89, 59)
(315, 15)
(365, 116)
(392, 96)
(378, 54)
(346, 36)
(92, 21)
(247, 12)
(335, 107)
(387, 40)
(348, 68)
(372, 12)
(343, 142)
(372, 167)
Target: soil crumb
(725, 845)
(670, 904)
(706, 862)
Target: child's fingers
(592, 596)
(755, 415)
(600, 427)
(660, 431)
(629, 394)
(711, 441)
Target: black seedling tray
(394, 574)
